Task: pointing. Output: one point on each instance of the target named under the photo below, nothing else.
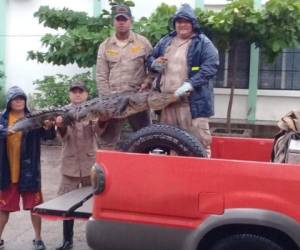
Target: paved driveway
(18, 233)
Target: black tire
(163, 138)
(246, 242)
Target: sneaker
(1, 244)
(38, 245)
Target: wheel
(163, 139)
(245, 242)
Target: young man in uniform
(78, 154)
(121, 68)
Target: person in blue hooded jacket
(20, 172)
(185, 61)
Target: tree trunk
(232, 84)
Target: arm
(3, 131)
(209, 65)
(149, 78)
(61, 129)
(102, 72)
(156, 52)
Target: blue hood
(12, 93)
(186, 12)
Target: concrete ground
(18, 234)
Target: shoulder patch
(112, 52)
(135, 49)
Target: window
(222, 79)
(218, 80)
(283, 74)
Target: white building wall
(239, 107)
(271, 105)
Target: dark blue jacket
(30, 174)
(203, 62)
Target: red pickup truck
(236, 200)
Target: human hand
(184, 89)
(143, 87)
(47, 124)
(159, 64)
(59, 121)
(10, 131)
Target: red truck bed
(170, 202)
(246, 149)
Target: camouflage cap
(79, 85)
(121, 10)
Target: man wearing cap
(186, 60)
(20, 164)
(78, 154)
(121, 68)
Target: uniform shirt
(79, 147)
(121, 64)
(14, 151)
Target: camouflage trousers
(179, 115)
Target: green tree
(236, 23)
(79, 42)
(52, 91)
(83, 34)
(79, 45)
(272, 29)
(157, 25)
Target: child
(20, 167)
(78, 154)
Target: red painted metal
(183, 191)
(238, 148)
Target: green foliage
(157, 25)
(83, 34)
(281, 28)
(236, 21)
(53, 91)
(79, 43)
(272, 29)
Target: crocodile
(105, 108)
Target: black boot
(68, 235)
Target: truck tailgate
(75, 204)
